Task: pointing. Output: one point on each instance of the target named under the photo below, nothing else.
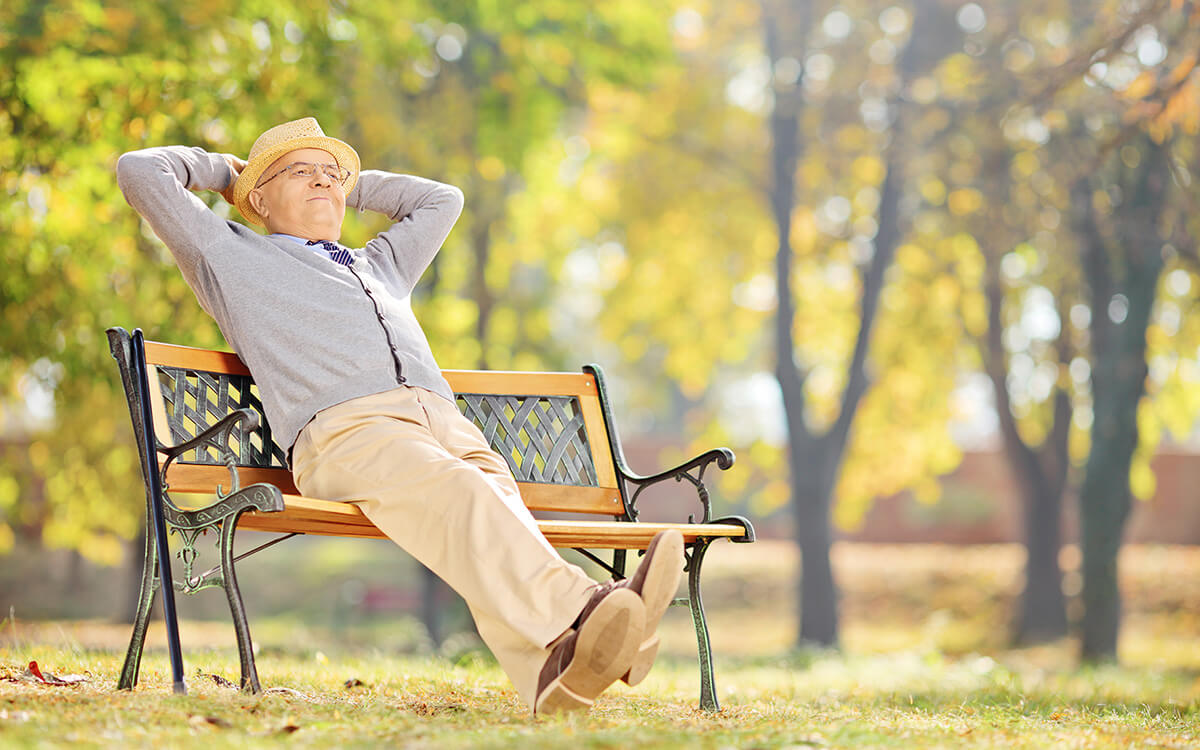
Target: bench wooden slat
(571, 499)
(204, 477)
(185, 478)
(624, 535)
(517, 383)
(602, 458)
(173, 355)
(461, 381)
(312, 516)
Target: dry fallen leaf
(288, 691)
(218, 679)
(33, 673)
(209, 722)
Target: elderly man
(352, 390)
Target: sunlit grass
(906, 699)
(923, 663)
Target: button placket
(400, 379)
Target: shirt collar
(291, 237)
(300, 240)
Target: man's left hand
(236, 165)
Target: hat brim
(342, 152)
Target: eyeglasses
(303, 170)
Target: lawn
(923, 664)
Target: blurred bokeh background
(929, 267)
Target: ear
(257, 203)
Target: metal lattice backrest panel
(542, 437)
(194, 401)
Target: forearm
(190, 167)
(158, 183)
(398, 196)
(424, 212)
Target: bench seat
(308, 515)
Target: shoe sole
(604, 650)
(658, 590)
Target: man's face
(310, 207)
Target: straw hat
(274, 143)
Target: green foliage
(466, 95)
(614, 158)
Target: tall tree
(1127, 210)
(1061, 78)
(816, 456)
(1122, 260)
(685, 262)
(998, 195)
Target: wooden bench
(555, 430)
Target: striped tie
(336, 252)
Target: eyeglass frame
(342, 176)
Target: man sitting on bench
(348, 381)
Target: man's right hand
(236, 165)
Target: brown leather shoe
(593, 655)
(655, 581)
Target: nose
(321, 179)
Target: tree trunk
(1041, 475)
(1123, 280)
(1043, 610)
(815, 460)
(818, 594)
(1104, 501)
(784, 32)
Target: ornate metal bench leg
(708, 688)
(236, 608)
(141, 619)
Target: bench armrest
(265, 498)
(691, 470)
(216, 436)
(723, 457)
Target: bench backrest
(551, 427)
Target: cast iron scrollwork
(191, 524)
(723, 457)
(193, 583)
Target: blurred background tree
(833, 235)
(942, 162)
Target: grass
(906, 699)
(923, 665)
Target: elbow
(130, 165)
(455, 200)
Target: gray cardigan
(314, 333)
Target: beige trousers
(426, 477)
